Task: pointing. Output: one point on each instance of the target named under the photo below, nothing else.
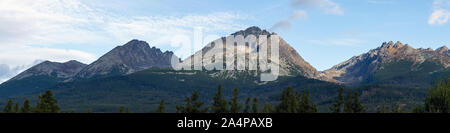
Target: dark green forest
(289, 101)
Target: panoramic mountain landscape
(212, 65)
(287, 56)
(138, 77)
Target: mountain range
(393, 63)
(138, 76)
(132, 57)
(40, 76)
(290, 62)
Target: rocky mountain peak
(391, 44)
(138, 44)
(55, 69)
(443, 50)
(392, 50)
(254, 30)
(134, 56)
(359, 68)
(291, 63)
(135, 43)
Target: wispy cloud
(62, 21)
(326, 6)
(281, 25)
(440, 13)
(158, 28)
(298, 14)
(16, 55)
(6, 72)
(32, 29)
(286, 23)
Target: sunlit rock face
(360, 69)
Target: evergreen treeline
(290, 102)
(45, 104)
(350, 104)
(437, 101)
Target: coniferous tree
(196, 104)
(219, 104)
(382, 108)
(161, 108)
(255, 105)
(268, 109)
(8, 107)
(418, 109)
(357, 107)
(438, 98)
(47, 103)
(186, 108)
(234, 103)
(247, 105)
(305, 106)
(348, 106)
(16, 108)
(192, 105)
(337, 105)
(26, 107)
(121, 109)
(289, 102)
(314, 108)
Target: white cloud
(298, 14)
(18, 55)
(35, 29)
(439, 17)
(7, 72)
(63, 21)
(159, 29)
(326, 6)
(47, 21)
(440, 13)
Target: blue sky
(324, 32)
